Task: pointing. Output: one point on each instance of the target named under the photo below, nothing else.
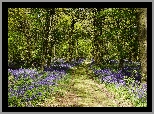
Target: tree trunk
(142, 37)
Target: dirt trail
(81, 91)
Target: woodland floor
(78, 89)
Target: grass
(121, 93)
(80, 90)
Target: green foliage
(124, 93)
(39, 34)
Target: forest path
(78, 89)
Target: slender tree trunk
(97, 32)
(46, 32)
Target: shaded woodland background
(37, 35)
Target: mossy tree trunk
(142, 37)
